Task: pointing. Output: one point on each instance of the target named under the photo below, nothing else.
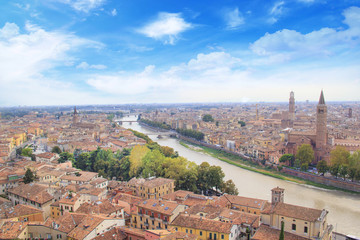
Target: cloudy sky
(67, 52)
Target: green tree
(65, 156)
(167, 151)
(56, 149)
(29, 176)
(297, 163)
(354, 165)
(305, 153)
(352, 172)
(304, 167)
(339, 156)
(287, 158)
(343, 171)
(207, 118)
(322, 167)
(183, 172)
(242, 123)
(282, 234)
(82, 162)
(216, 177)
(152, 164)
(33, 157)
(27, 152)
(230, 188)
(203, 183)
(334, 170)
(136, 156)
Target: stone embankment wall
(338, 183)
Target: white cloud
(24, 7)
(234, 19)
(219, 76)
(84, 5)
(125, 83)
(276, 11)
(25, 57)
(114, 12)
(85, 65)
(307, 1)
(9, 30)
(324, 42)
(166, 27)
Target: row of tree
(155, 124)
(191, 133)
(186, 132)
(342, 163)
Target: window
(176, 229)
(210, 235)
(200, 233)
(214, 236)
(191, 231)
(293, 227)
(222, 236)
(186, 231)
(305, 229)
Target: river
(344, 208)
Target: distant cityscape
(74, 172)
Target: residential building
(155, 214)
(34, 195)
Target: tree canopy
(305, 154)
(339, 156)
(27, 152)
(158, 161)
(322, 167)
(207, 118)
(29, 176)
(287, 158)
(56, 149)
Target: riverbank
(237, 161)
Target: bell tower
(291, 109)
(277, 195)
(75, 116)
(321, 122)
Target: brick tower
(291, 109)
(321, 129)
(75, 116)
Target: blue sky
(63, 52)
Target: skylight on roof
(166, 208)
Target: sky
(77, 52)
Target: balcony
(152, 217)
(146, 224)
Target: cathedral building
(318, 139)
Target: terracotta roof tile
(197, 222)
(267, 233)
(33, 192)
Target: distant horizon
(179, 103)
(82, 52)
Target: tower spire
(321, 99)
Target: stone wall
(338, 183)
